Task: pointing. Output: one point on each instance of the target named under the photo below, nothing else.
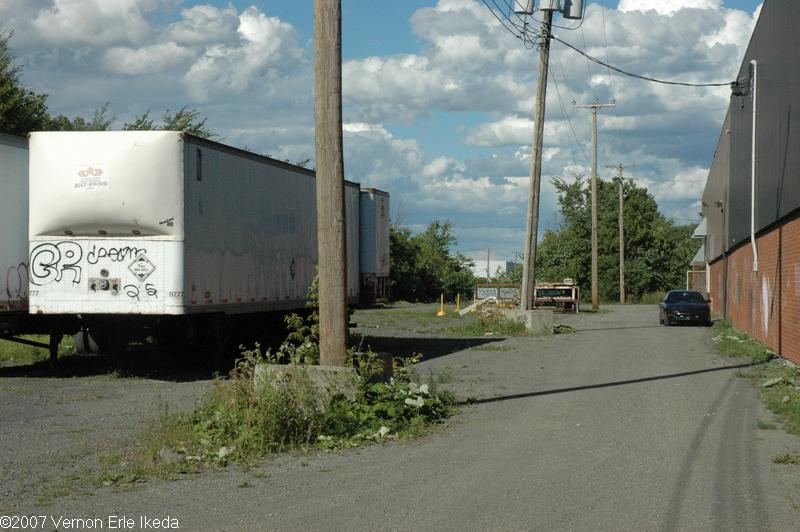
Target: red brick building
(752, 241)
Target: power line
(610, 148)
(638, 76)
(610, 78)
(572, 98)
(569, 121)
(525, 34)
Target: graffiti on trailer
(111, 253)
(17, 281)
(49, 263)
(133, 291)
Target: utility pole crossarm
(593, 106)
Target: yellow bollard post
(441, 306)
(458, 302)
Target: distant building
(753, 275)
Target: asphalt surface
(622, 425)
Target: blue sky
(437, 95)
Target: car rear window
(688, 297)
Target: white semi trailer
(14, 267)
(13, 225)
(170, 233)
(374, 245)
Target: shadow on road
(186, 366)
(604, 384)
(429, 348)
(613, 328)
(145, 365)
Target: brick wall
(697, 280)
(764, 304)
(717, 295)
(790, 291)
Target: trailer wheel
(84, 342)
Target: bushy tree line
(423, 266)
(657, 251)
(23, 110)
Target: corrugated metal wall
(774, 44)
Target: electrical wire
(638, 76)
(584, 129)
(569, 121)
(524, 33)
(610, 79)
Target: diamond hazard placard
(141, 267)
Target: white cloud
(439, 166)
(685, 185)
(509, 130)
(666, 7)
(146, 60)
(373, 155)
(95, 22)
(203, 24)
(264, 43)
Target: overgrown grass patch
(239, 421)
(780, 392)
(490, 322)
(27, 354)
(779, 383)
(733, 343)
(787, 458)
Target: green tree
(21, 109)
(100, 121)
(424, 265)
(185, 119)
(657, 252)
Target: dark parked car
(684, 306)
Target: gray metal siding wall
(715, 196)
(774, 44)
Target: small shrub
(491, 321)
(787, 458)
(783, 399)
(239, 421)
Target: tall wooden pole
(532, 226)
(594, 107)
(331, 233)
(595, 297)
(621, 222)
(621, 243)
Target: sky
(437, 95)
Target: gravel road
(622, 425)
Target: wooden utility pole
(621, 167)
(532, 226)
(331, 233)
(594, 107)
